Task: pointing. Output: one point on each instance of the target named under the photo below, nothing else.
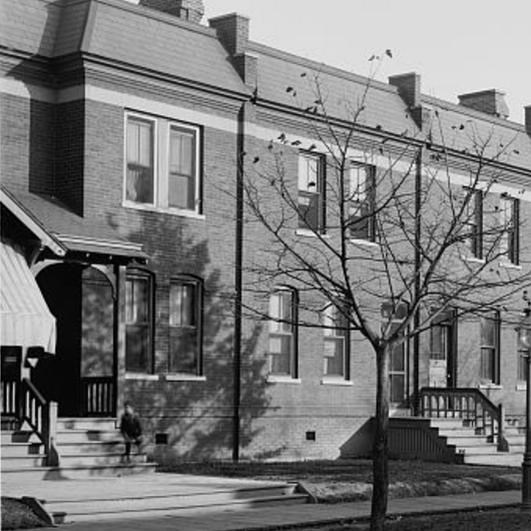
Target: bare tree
(403, 228)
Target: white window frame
(144, 118)
(358, 195)
(491, 318)
(274, 321)
(510, 215)
(330, 315)
(161, 166)
(197, 286)
(320, 186)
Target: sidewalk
(278, 517)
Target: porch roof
(74, 233)
(25, 319)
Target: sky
(457, 46)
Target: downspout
(416, 317)
(238, 284)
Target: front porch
(459, 425)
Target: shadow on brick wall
(194, 419)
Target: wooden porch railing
(40, 415)
(9, 392)
(98, 396)
(468, 404)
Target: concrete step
(21, 449)
(494, 459)
(37, 473)
(25, 462)
(18, 436)
(479, 449)
(90, 447)
(446, 423)
(459, 432)
(515, 439)
(465, 440)
(173, 503)
(86, 423)
(80, 436)
(97, 460)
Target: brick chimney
(192, 10)
(408, 86)
(233, 33)
(490, 101)
(527, 119)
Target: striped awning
(25, 318)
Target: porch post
(119, 338)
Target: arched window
(283, 332)
(139, 321)
(185, 325)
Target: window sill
(273, 378)
(311, 233)
(161, 210)
(474, 260)
(332, 380)
(364, 243)
(181, 377)
(521, 386)
(510, 265)
(141, 376)
(490, 386)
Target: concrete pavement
(265, 518)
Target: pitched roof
(114, 29)
(75, 233)
(159, 42)
(468, 131)
(280, 75)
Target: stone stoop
(86, 447)
(173, 501)
(475, 448)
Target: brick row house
(130, 131)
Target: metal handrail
(468, 404)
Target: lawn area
(342, 480)
(17, 515)
(495, 520)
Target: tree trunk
(380, 469)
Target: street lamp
(524, 339)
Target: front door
(443, 352)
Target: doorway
(443, 351)
(81, 299)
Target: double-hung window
(283, 332)
(182, 180)
(336, 343)
(522, 344)
(140, 172)
(310, 200)
(490, 347)
(361, 223)
(398, 377)
(474, 221)
(510, 222)
(138, 322)
(185, 326)
(162, 165)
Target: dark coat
(130, 426)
